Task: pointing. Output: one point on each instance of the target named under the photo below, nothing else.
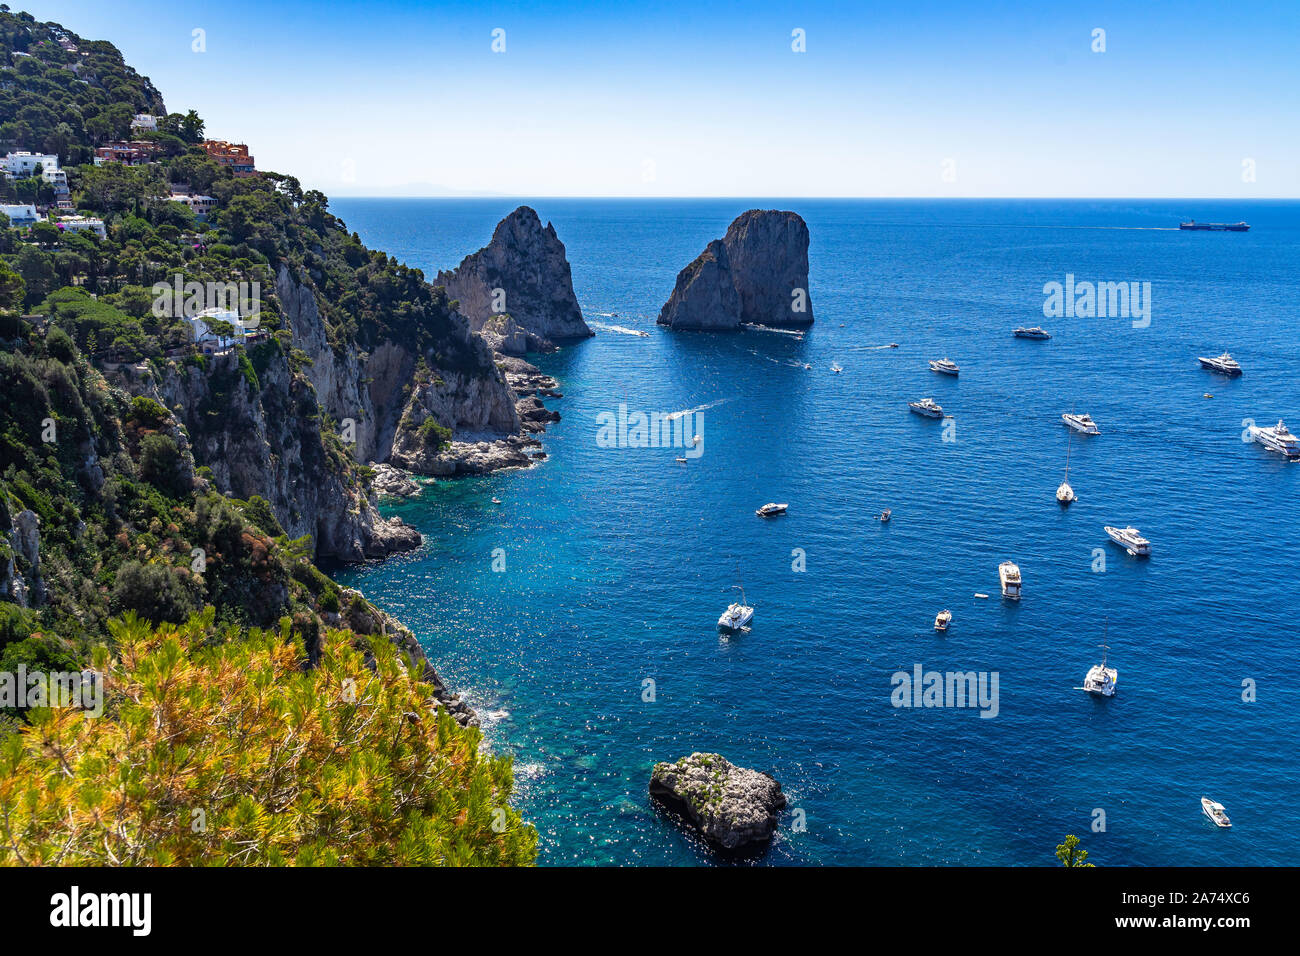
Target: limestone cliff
(757, 274)
(522, 273)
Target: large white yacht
(1010, 575)
(1214, 810)
(1224, 364)
(1031, 333)
(770, 509)
(1081, 423)
(1131, 540)
(1277, 439)
(944, 366)
(927, 407)
(1101, 679)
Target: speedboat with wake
(1131, 540)
(1081, 423)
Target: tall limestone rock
(526, 262)
(757, 274)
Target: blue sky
(709, 99)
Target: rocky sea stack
(757, 274)
(731, 807)
(517, 291)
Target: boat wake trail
(797, 333)
(620, 329)
(698, 408)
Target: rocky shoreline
(732, 808)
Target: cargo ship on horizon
(1194, 226)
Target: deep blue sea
(619, 561)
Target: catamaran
(736, 616)
(1064, 493)
(1101, 679)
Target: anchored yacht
(1010, 575)
(770, 509)
(1064, 493)
(1131, 540)
(1224, 364)
(1081, 423)
(836, 367)
(1031, 333)
(1101, 679)
(1214, 810)
(736, 616)
(944, 366)
(942, 620)
(1277, 439)
(927, 407)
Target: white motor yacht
(1081, 423)
(927, 407)
(944, 366)
(1031, 333)
(1131, 540)
(942, 620)
(1224, 364)
(1010, 575)
(1278, 439)
(1214, 810)
(770, 509)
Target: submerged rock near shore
(757, 274)
(731, 807)
(517, 291)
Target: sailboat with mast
(1101, 679)
(736, 616)
(1064, 493)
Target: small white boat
(1033, 332)
(981, 595)
(1131, 540)
(884, 516)
(927, 407)
(496, 501)
(1081, 423)
(942, 620)
(1278, 439)
(1214, 810)
(836, 367)
(770, 509)
(1224, 364)
(1009, 573)
(1064, 493)
(1100, 678)
(944, 367)
(681, 461)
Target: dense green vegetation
(219, 748)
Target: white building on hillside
(21, 215)
(22, 164)
(144, 123)
(84, 224)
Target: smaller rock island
(732, 808)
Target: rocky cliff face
(755, 275)
(522, 272)
(20, 575)
(262, 435)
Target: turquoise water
(618, 561)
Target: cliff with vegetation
(143, 475)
